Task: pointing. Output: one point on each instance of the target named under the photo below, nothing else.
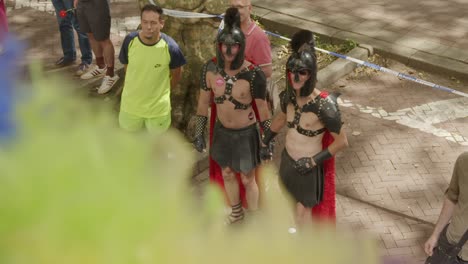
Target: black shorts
(94, 17)
(304, 188)
(237, 149)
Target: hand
(430, 244)
(304, 165)
(266, 152)
(75, 3)
(199, 143)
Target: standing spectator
(67, 21)
(454, 212)
(94, 18)
(257, 45)
(153, 63)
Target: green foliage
(348, 45)
(343, 48)
(76, 189)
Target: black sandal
(236, 215)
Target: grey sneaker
(63, 62)
(94, 71)
(107, 83)
(82, 68)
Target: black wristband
(322, 156)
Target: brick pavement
(430, 33)
(392, 178)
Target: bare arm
(444, 218)
(267, 70)
(340, 142)
(176, 75)
(203, 103)
(119, 91)
(263, 111)
(75, 3)
(278, 122)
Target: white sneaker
(107, 84)
(82, 69)
(93, 72)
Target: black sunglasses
(303, 72)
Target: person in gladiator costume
(236, 90)
(315, 134)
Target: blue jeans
(67, 36)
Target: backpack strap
(455, 250)
(463, 240)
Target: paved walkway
(392, 177)
(425, 33)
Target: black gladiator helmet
(230, 35)
(302, 58)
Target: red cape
(325, 210)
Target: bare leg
(108, 52)
(97, 49)
(303, 215)
(251, 189)
(232, 190)
(109, 55)
(231, 186)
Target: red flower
(323, 95)
(63, 13)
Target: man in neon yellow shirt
(153, 64)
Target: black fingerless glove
(266, 152)
(199, 136)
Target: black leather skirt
(237, 149)
(304, 188)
